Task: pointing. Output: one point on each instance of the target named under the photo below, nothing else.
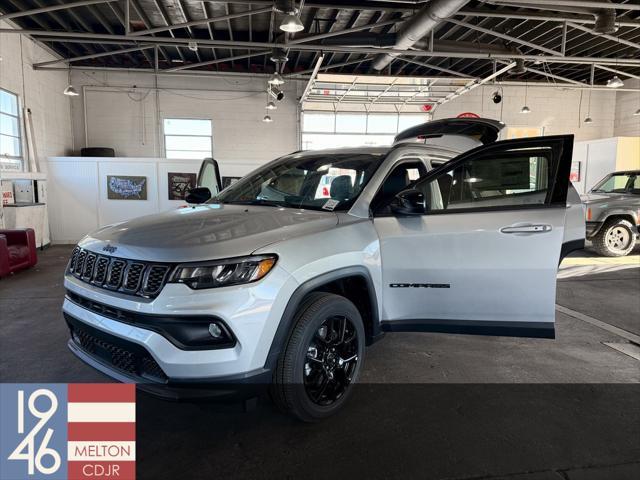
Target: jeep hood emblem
(109, 248)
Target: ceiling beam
(51, 8)
(550, 4)
(615, 70)
(94, 55)
(177, 42)
(202, 22)
(504, 36)
(216, 61)
(539, 16)
(604, 35)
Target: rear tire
(322, 359)
(615, 239)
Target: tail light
(588, 213)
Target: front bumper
(132, 351)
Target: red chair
(17, 250)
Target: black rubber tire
(287, 389)
(600, 240)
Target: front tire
(615, 239)
(322, 359)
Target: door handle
(541, 228)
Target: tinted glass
(509, 179)
(319, 182)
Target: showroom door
(483, 256)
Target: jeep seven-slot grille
(127, 276)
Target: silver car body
(497, 282)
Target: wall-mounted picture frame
(124, 187)
(180, 184)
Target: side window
(401, 176)
(507, 179)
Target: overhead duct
(419, 25)
(605, 17)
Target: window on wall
(331, 130)
(187, 138)
(10, 140)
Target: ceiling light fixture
(291, 23)
(615, 82)
(276, 78)
(525, 109)
(267, 118)
(271, 106)
(588, 120)
(193, 46)
(70, 91)
(636, 113)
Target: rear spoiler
(484, 130)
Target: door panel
(484, 257)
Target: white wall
(626, 124)
(130, 119)
(39, 91)
(78, 192)
(556, 110)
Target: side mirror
(409, 202)
(198, 195)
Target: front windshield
(628, 182)
(317, 181)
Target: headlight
(222, 273)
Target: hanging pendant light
(588, 118)
(267, 118)
(525, 109)
(271, 106)
(636, 113)
(291, 23)
(615, 82)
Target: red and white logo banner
(101, 431)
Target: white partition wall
(78, 200)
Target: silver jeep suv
(613, 213)
(272, 282)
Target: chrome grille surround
(132, 277)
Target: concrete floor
(429, 405)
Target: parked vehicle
(268, 282)
(613, 213)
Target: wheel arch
(354, 283)
(627, 215)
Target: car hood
(205, 232)
(608, 198)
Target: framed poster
(122, 187)
(226, 181)
(180, 184)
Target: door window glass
(512, 178)
(401, 176)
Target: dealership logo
(109, 249)
(74, 431)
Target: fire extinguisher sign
(67, 431)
